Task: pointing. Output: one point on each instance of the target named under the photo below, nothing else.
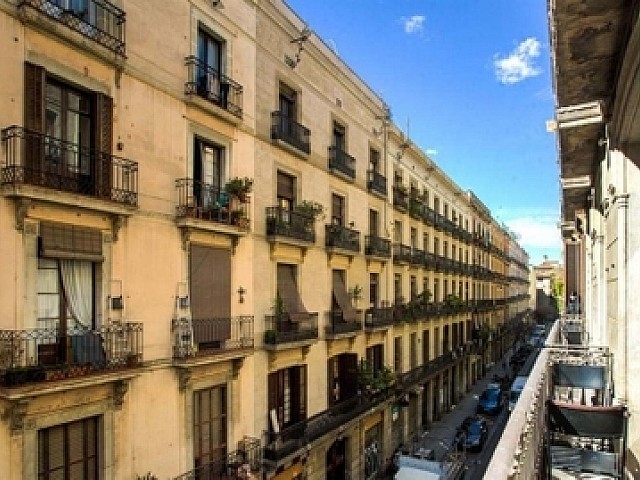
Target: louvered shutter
(103, 147)
(34, 106)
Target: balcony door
(208, 175)
(68, 139)
(210, 65)
(210, 430)
(287, 397)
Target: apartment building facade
(595, 60)
(223, 256)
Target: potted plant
(355, 293)
(311, 209)
(239, 188)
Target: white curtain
(77, 281)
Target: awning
(343, 299)
(59, 240)
(587, 421)
(288, 292)
(580, 376)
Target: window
(436, 246)
(397, 231)
(414, 237)
(414, 288)
(413, 350)
(373, 289)
(397, 288)
(339, 137)
(210, 67)
(425, 242)
(375, 357)
(286, 191)
(209, 425)
(74, 123)
(70, 451)
(208, 175)
(288, 103)
(397, 354)
(373, 223)
(337, 210)
(287, 396)
(374, 160)
(436, 204)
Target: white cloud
(536, 232)
(431, 152)
(519, 64)
(413, 24)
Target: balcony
(246, 462)
(47, 354)
(342, 238)
(97, 20)
(211, 336)
(201, 201)
(417, 257)
(290, 440)
(337, 326)
(400, 198)
(291, 132)
(375, 246)
(39, 160)
(430, 260)
(429, 216)
(416, 207)
(290, 328)
(566, 413)
(417, 376)
(377, 183)
(401, 253)
(290, 224)
(213, 86)
(342, 164)
(378, 318)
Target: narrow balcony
(400, 198)
(416, 207)
(417, 257)
(290, 224)
(439, 222)
(290, 328)
(291, 132)
(429, 216)
(430, 261)
(342, 238)
(342, 164)
(201, 201)
(97, 20)
(246, 462)
(201, 337)
(210, 84)
(48, 354)
(377, 183)
(378, 318)
(39, 160)
(375, 246)
(401, 253)
(338, 326)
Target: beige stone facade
(153, 319)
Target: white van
(516, 390)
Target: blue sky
(471, 79)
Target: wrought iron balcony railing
(289, 131)
(341, 162)
(400, 198)
(211, 336)
(378, 317)
(337, 324)
(212, 85)
(429, 216)
(401, 253)
(47, 354)
(416, 207)
(40, 160)
(97, 20)
(337, 236)
(377, 247)
(290, 327)
(289, 223)
(376, 182)
(242, 463)
(417, 257)
(203, 201)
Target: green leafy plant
(355, 293)
(370, 381)
(311, 209)
(239, 187)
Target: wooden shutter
(103, 144)
(286, 186)
(34, 108)
(59, 240)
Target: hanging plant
(239, 188)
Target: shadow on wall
(546, 307)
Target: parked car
(490, 401)
(475, 434)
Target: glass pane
(56, 447)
